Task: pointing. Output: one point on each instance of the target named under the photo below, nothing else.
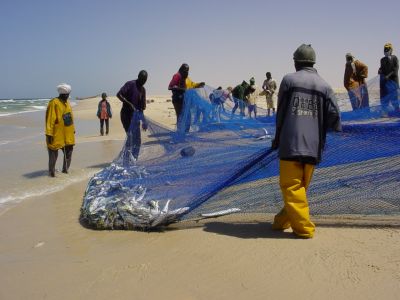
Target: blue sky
(97, 46)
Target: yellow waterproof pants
(295, 177)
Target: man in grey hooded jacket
(307, 109)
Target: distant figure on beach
(238, 94)
(307, 108)
(251, 97)
(355, 74)
(104, 113)
(218, 98)
(269, 86)
(225, 96)
(389, 79)
(216, 103)
(133, 96)
(180, 82)
(60, 129)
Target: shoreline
(26, 131)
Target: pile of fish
(116, 199)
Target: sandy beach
(46, 253)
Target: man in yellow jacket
(60, 129)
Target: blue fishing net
(218, 162)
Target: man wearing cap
(104, 113)
(60, 129)
(307, 108)
(389, 78)
(355, 74)
(133, 96)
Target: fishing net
(218, 162)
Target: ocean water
(24, 157)
(17, 106)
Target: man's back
(306, 110)
(238, 92)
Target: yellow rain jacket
(60, 124)
(190, 84)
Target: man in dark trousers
(389, 79)
(307, 108)
(179, 83)
(133, 97)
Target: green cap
(305, 53)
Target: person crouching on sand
(307, 108)
(60, 129)
(104, 113)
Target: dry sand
(45, 253)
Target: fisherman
(251, 97)
(60, 129)
(179, 84)
(133, 96)
(104, 113)
(389, 79)
(307, 108)
(355, 74)
(217, 99)
(227, 95)
(269, 86)
(238, 94)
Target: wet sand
(45, 253)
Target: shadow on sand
(36, 174)
(247, 230)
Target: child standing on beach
(252, 97)
(104, 113)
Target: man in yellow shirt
(60, 129)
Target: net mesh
(218, 162)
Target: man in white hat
(60, 129)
